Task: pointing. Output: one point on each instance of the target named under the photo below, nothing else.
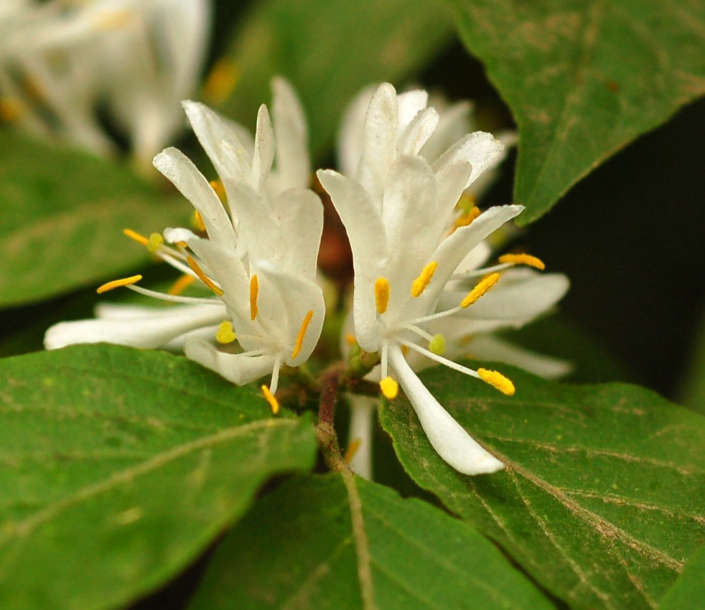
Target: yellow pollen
(352, 450)
(154, 242)
(254, 292)
(202, 276)
(382, 294)
(523, 259)
(350, 339)
(405, 350)
(140, 239)
(482, 287)
(225, 333)
(127, 281)
(302, 333)
(198, 221)
(220, 82)
(437, 345)
(424, 279)
(181, 284)
(467, 218)
(389, 387)
(219, 189)
(497, 380)
(271, 399)
(11, 109)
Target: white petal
(264, 149)
(450, 440)
(410, 104)
(361, 423)
(291, 133)
(178, 168)
(151, 331)
(352, 132)
(479, 148)
(411, 140)
(236, 368)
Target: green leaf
(692, 391)
(583, 79)
(330, 50)
(120, 466)
(61, 218)
(602, 498)
(342, 542)
(689, 590)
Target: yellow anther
(220, 82)
(181, 284)
(389, 387)
(352, 449)
(523, 259)
(467, 218)
(11, 109)
(202, 276)
(405, 350)
(198, 221)
(350, 339)
(482, 287)
(302, 333)
(127, 281)
(225, 333)
(271, 399)
(497, 380)
(437, 345)
(382, 294)
(154, 242)
(140, 239)
(466, 203)
(254, 292)
(219, 189)
(424, 279)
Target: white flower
(411, 250)
(259, 260)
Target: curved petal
(480, 149)
(236, 368)
(411, 140)
(291, 133)
(450, 440)
(263, 156)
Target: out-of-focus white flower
(413, 251)
(259, 260)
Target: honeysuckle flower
(258, 259)
(412, 249)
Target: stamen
(154, 242)
(352, 450)
(198, 221)
(481, 289)
(466, 219)
(523, 259)
(219, 189)
(220, 82)
(202, 276)
(438, 344)
(271, 399)
(140, 239)
(497, 380)
(350, 339)
(420, 283)
(181, 284)
(389, 388)
(254, 291)
(382, 294)
(119, 283)
(225, 333)
(466, 203)
(302, 333)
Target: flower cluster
(60, 61)
(422, 290)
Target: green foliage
(61, 218)
(331, 50)
(689, 590)
(120, 466)
(583, 79)
(342, 542)
(601, 501)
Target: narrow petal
(450, 440)
(236, 368)
(352, 132)
(480, 149)
(411, 140)
(410, 103)
(264, 149)
(291, 133)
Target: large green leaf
(330, 50)
(689, 590)
(603, 497)
(61, 218)
(342, 542)
(583, 79)
(119, 466)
